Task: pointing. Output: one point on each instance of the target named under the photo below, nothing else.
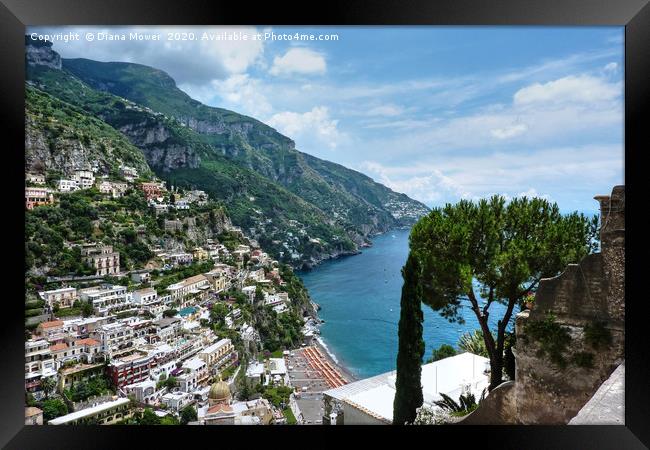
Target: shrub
(442, 352)
(597, 336)
(553, 339)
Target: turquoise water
(360, 296)
(187, 311)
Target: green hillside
(268, 186)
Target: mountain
(61, 138)
(305, 208)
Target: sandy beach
(347, 375)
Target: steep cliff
(305, 208)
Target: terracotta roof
(219, 407)
(51, 324)
(57, 347)
(194, 279)
(87, 341)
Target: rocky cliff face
(155, 142)
(73, 141)
(41, 54)
(256, 171)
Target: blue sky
(439, 113)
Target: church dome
(219, 392)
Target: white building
(35, 178)
(85, 178)
(250, 292)
(196, 285)
(167, 328)
(144, 391)
(177, 400)
(278, 371)
(115, 338)
(195, 373)
(39, 363)
(145, 296)
(218, 354)
(255, 372)
(107, 298)
(67, 185)
(370, 401)
(64, 297)
(141, 276)
(104, 413)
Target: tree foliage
(53, 408)
(442, 352)
(188, 414)
(497, 251)
(408, 388)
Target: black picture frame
(633, 14)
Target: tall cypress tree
(408, 395)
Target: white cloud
(611, 67)
(298, 60)
(532, 192)
(314, 125)
(244, 93)
(571, 89)
(509, 131)
(552, 173)
(187, 61)
(387, 110)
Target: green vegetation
(188, 414)
(295, 289)
(180, 273)
(288, 414)
(85, 216)
(278, 331)
(62, 126)
(509, 366)
(597, 336)
(442, 352)
(218, 314)
(168, 382)
(278, 396)
(148, 417)
(408, 391)
(553, 339)
(250, 167)
(53, 408)
(466, 404)
(473, 342)
(505, 249)
(69, 312)
(83, 390)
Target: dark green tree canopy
(505, 248)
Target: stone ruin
(588, 296)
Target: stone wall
(585, 294)
(498, 408)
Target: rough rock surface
(586, 293)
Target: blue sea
(360, 297)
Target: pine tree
(408, 395)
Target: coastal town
(173, 248)
(140, 345)
(207, 330)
